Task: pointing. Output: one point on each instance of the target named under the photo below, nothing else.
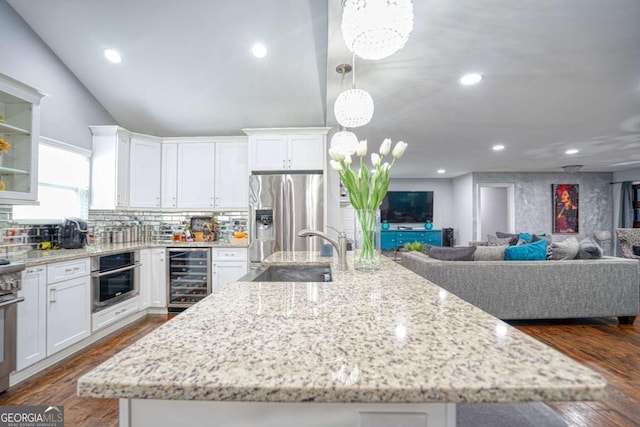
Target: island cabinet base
(145, 412)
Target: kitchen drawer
(110, 315)
(66, 270)
(230, 254)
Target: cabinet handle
(289, 163)
(68, 270)
(284, 163)
(52, 295)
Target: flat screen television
(407, 207)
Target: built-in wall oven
(114, 278)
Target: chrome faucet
(340, 244)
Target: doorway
(495, 210)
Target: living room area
(525, 204)
(567, 304)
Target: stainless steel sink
(290, 273)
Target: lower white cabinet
(106, 317)
(145, 283)
(153, 282)
(158, 278)
(229, 264)
(32, 318)
(68, 313)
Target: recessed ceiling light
(259, 50)
(572, 151)
(441, 171)
(113, 56)
(497, 147)
(470, 79)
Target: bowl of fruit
(240, 238)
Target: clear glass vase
(367, 239)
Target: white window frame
(63, 146)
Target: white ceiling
(558, 75)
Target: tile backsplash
(17, 238)
(164, 223)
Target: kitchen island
(364, 348)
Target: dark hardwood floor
(57, 384)
(611, 349)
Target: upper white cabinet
(169, 180)
(231, 175)
(131, 170)
(145, 172)
(205, 173)
(285, 149)
(196, 162)
(20, 127)
(110, 167)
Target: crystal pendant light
(354, 107)
(376, 29)
(344, 141)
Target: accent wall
(533, 202)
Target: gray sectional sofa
(510, 290)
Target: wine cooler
(188, 276)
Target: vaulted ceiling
(557, 75)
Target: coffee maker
(73, 233)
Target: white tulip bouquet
(367, 189)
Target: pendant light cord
(353, 81)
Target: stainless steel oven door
(113, 286)
(8, 316)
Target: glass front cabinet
(19, 137)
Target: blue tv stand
(393, 239)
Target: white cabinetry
(110, 315)
(158, 279)
(204, 173)
(153, 283)
(110, 167)
(145, 282)
(32, 318)
(20, 127)
(287, 149)
(268, 152)
(231, 175)
(145, 172)
(68, 304)
(169, 181)
(196, 161)
(229, 264)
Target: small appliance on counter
(73, 233)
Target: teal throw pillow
(536, 251)
(525, 236)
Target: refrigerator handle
(286, 213)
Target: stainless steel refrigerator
(280, 206)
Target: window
(63, 185)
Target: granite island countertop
(389, 336)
